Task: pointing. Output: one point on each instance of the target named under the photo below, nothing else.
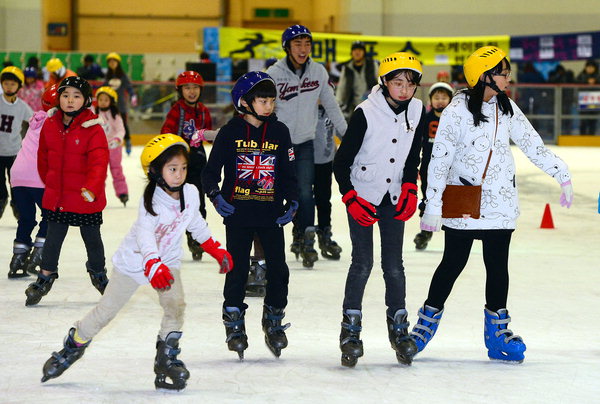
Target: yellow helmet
(108, 91)
(54, 65)
(113, 55)
(157, 145)
(15, 71)
(482, 60)
(397, 61)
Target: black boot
(295, 247)
(18, 263)
(329, 248)
(275, 337)
(350, 342)
(401, 342)
(256, 286)
(98, 278)
(307, 249)
(194, 247)
(235, 330)
(40, 288)
(124, 198)
(422, 239)
(166, 363)
(61, 361)
(35, 258)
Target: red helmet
(189, 77)
(50, 97)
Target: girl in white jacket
(473, 139)
(151, 253)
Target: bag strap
(491, 146)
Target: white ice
(553, 300)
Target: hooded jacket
(258, 168)
(298, 97)
(70, 159)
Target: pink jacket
(113, 127)
(32, 95)
(24, 171)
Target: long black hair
(156, 166)
(114, 111)
(475, 95)
(117, 73)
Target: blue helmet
(243, 87)
(292, 32)
(30, 71)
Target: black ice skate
(194, 247)
(35, 258)
(257, 281)
(62, 360)
(275, 337)
(124, 198)
(350, 342)
(401, 342)
(98, 278)
(422, 239)
(296, 242)
(18, 263)
(329, 248)
(166, 363)
(235, 330)
(307, 250)
(40, 288)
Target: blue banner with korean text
(574, 46)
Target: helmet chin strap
(163, 184)
(262, 118)
(11, 94)
(492, 84)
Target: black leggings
(54, 240)
(457, 248)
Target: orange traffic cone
(547, 222)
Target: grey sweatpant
(118, 292)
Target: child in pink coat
(106, 99)
(28, 190)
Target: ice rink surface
(553, 299)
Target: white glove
(431, 222)
(210, 135)
(566, 197)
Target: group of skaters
(262, 173)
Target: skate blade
(349, 361)
(333, 257)
(161, 384)
(507, 361)
(12, 275)
(241, 356)
(404, 360)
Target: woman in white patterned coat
(473, 138)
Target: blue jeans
(25, 199)
(305, 172)
(391, 232)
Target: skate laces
(422, 327)
(505, 332)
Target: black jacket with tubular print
(258, 171)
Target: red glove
(407, 204)
(220, 254)
(362, 211)
(158, 274)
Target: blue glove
(223, 207)
(288, 215)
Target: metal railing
(552, 109)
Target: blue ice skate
(501, 343)
(424, 330)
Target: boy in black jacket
(257, 157)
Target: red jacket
(193, 119)
(71, 159)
